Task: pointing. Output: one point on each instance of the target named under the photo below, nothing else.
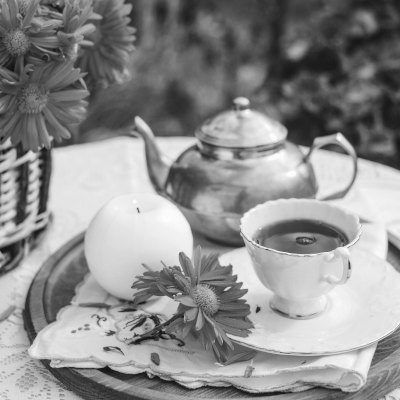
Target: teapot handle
(341, 141)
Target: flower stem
(159, 327)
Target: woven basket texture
(24, 185)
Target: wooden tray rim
(95, 379)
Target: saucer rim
(242, 342)
(316, 354)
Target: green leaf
(244, 356)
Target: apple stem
(137, 208)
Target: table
(87, 176)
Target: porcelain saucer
(361, 312)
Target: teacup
(300, 282)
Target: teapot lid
(242, 127)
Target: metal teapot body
(216, 181)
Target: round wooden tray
(54, 287)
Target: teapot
(241, 159)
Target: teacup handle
(344, 254)
(341, 141)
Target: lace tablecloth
(87, 176)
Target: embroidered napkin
(94, 336)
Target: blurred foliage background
(318, 66)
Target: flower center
(16, 42)
(206, 299)
(32, 99)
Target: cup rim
(254, 209)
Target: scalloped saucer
(361, 312)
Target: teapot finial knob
(241, 103)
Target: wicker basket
(24, 185)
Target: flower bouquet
(210, 304)
(52, 53)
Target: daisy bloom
(107, 60)
(210, 304)
(75, 15)
(22, 35)
(39, 103)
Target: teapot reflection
(241, 159)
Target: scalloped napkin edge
(79, 335)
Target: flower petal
(186, 300)
(234, 323)
(234, 306)
(197, 263)
(231, 295)
(30, 12)
(187, 328)
(209, 263)
(191, 314)
(200, 320)
(4, 103)
(68, 95)
(243, 356)
(187, 267)
(62, 131)
(8, 123)
(30, 138)
(43, 133)
(13, 9)
(181, 281)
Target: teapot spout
(157, 164)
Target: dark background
(317, 66)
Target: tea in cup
(300, 250)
